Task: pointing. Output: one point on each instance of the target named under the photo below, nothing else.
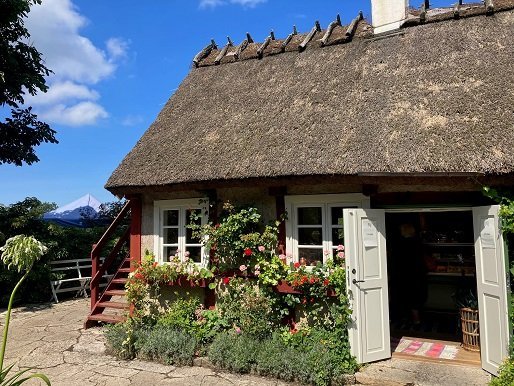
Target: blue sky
(115, 65)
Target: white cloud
(80, 114)
(215, 3)
(132, 120)
(77, 63)
(60, 92)
(117, 48)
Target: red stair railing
(99, 270)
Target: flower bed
(255, 326)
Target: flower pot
(470, 331)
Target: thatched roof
(434, 97)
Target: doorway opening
(431, 273)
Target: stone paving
(50, 338)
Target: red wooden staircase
(108, 304)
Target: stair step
(121, 280)
(107, 318)
(118, 305)
(112, 292)
(127, 270)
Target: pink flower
(238, 330)
(261, 248)
(257, 266)
(243, 268)
(282, 256)
(340, 255)
(340, 247)
(186, 253)
(257, 272)
(326, 252)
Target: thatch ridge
(436, 98)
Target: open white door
(491, 287)
(364, 236)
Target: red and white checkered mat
(435, 350)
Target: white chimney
(388, 15)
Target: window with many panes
(315, 227)
(173, 237)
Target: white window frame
(325, 201)
(182, 205)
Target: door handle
(354, 281)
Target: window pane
(170, 217)
(309, 216)
(311, 255)
(168, 253)
(190, 239)
(337, 236)
(195, 253)
(310, 236)
(337, 215)
(170, 236)
(197, 213)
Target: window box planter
(183, 281)
(284, 287)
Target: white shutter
(364, 235)
(491, 287)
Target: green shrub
(123, 339)
(234, 352)
(168, 345)
(506, 374)
(319, 359)
(181, 314)
(248, 307)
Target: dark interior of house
(431, 272)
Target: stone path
(50, 339)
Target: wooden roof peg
(243, 46)
(288, 39)
(223, 52)
(456, 9)
(309, 37)
(204, 53)
(489, 7)
(330, 29)
(260, 50)
(427, 4)
(353, 25)
(423, 13)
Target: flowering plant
(238, 238)
(149, 275)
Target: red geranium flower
(226, 280)
(155, 264)
(138, 276)
(248, 252)
(312, 280)
(326, 282)
(297, 265)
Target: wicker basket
(470, 332)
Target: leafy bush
(319, 358)
(181, 314)
(235, 352)
(506, 374)
(124, 338)
(248, 307)
(168, 345)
